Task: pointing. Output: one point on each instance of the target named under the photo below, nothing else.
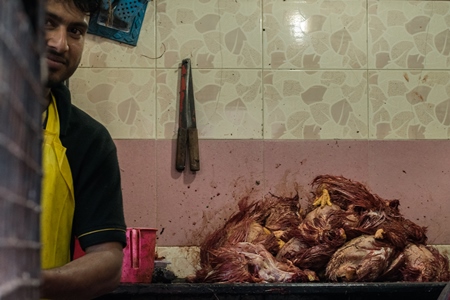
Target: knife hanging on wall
(187, 139)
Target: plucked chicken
(424, 264)
(314, 241)
(247, 262)
(367, 212)
(265, 223)
(364, 258)
(346, 234)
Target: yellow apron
(57, 200)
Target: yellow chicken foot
(278, 234)
(323, 200)
(379, 234)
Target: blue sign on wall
(119, 20)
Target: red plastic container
(139, 255)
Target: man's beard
(58, 76)
(51, 83)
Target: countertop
(275, 291)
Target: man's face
(65, 30)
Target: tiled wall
(276, 81)
(277, 69)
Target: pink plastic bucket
(139, 255)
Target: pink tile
(290, 166)
(418, 174)
(415, 172)
(185, 207)
(190, 206)
(137, 165)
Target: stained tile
(138, 174)
(409, 104)
(214, 34)
(315, 105)
(184, 261)
(414, 172)
(121, 99)
(417, 173)
(228, 103)
(291, 166)
(192, 205)
(300, 34)
(409, 34)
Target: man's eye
(76, 32)
(49, 23)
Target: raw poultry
(250, 225)
(247, 262)
(317, 237)
(364, 258)
(345, 234)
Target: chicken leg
(323, 200)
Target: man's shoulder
(87, 142)
(83, 121)
(83, 128)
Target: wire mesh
(120, 14)
(20, 149)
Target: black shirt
(92, 157)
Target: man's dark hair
(89, 7)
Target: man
(81, 193)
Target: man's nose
(57, 39)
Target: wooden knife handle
(194, 155)
(180, 159)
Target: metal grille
(120, 14)
(20, 148)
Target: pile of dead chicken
(347, 235)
